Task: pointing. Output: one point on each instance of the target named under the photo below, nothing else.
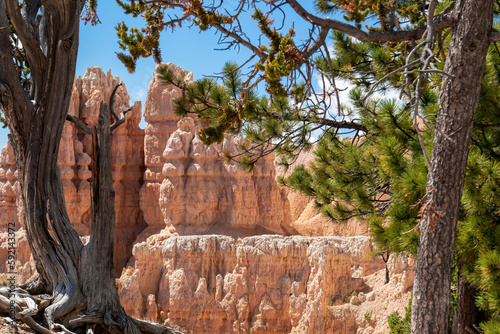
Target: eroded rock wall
(260, 284)
(188, 188)
(201, 194)
(169, 185)
(164, 177)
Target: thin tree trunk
(97, 268)
(467, 312)
(458, 104)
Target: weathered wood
(97, 269)
(80, 279)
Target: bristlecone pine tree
(38, 50)
(432, 51)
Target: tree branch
(240, 40)
(14, 101)
(78, 122)
(341, 124)
(111, 101)
(120, 121)
(36, 58)
(320, 40)
(440, 22)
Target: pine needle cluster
(379, 176)
(268, 124)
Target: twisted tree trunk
(79, 277)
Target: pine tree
(381, 177)
(432, 51)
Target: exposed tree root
(6, 303)
(35, 287)
(149, 328)
(66, 299)
(28, 306)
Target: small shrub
(399, 325)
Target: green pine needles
(379, 176)
(269, 125)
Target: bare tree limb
(120, 121)
(240, 40)
(36, 58)
(342, 124)
(111, 101)
(320, 40)
(14, 101)
(440, 22)
(78, 122)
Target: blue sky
(189, 48)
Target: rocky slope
(205, 246)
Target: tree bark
(467, 312)
(97, 268)
(472, 21)
(35, 134)
(80, 279)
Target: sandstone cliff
(172, 191)
(263, 284)
(188, 188)
(165, 178)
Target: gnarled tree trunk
(465, 61)
(79, 277)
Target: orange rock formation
(263, 284)
(171, 191)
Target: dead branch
(79, 124)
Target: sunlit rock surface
(205, 246)
(263, 284)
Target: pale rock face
(24, 265)
(188, 189)
(200, 193)
(11, 208)
(162, 122)
(261, 284)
